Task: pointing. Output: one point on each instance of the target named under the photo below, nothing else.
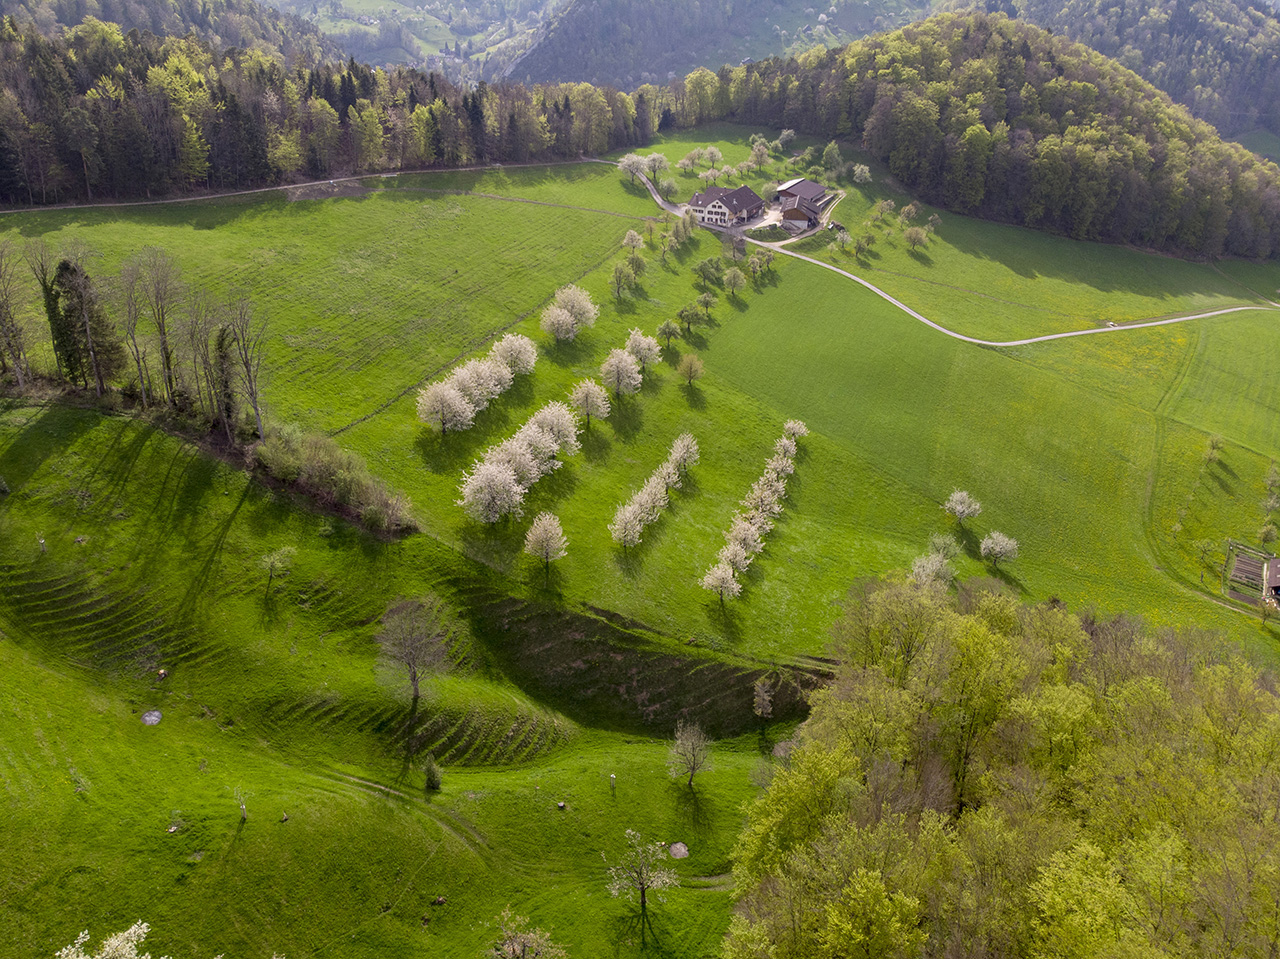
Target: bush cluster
(452, 403)
(744, 539)
(496, 484)
(318, 466)
(648, 502)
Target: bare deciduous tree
(13, 352)
(690, 368)
(690, 754)
(161, 285)
(277, 563)
(762, 698)
(416, 635)
(248, 336)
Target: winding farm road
(780, 248)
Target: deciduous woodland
(990, 779)
(977, 113)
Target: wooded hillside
(1219, 57)
(976, 113)
(223, 24)
(989, 779)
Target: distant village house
(720, 206)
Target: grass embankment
(149, 561)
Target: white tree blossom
(559, 323)
(621, 372)
(562, 423)
(519, 353)
(627, 525)
(490, 492)
(542, 445)
(633, 165)
(780, 465)
(721, 580)
(122, 945)
(633, 240)
(962, 506)
(644, 348)
(930, 569)
(734, 556)
(643, 869)
(652, 498)
(590, 399)
(515, 454)
(545, 540)
(998, 548)
(656, 163)
(577, 302)
(795, 429)
(785, 446)
(481, 381)
(745, 535)
(442, 407)
(684, 452)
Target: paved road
(781, 248)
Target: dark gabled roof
(708, 196)
(803, 188)
(743, 198)
(800, 203)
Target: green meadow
(124, 550)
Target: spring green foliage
(1071, 146)
(1217, 57)
(1021, 780)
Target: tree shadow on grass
(693, 812)
(566, 352)
(693, 394)
(596, 445)
(626, 417)
(921, 257)
(725, 619)
(636, 931)
(696, 340)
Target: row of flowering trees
(452, 403)
(647, 503)
(744, 539)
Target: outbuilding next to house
(721, 206)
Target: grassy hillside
(1090, 451)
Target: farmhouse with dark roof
(720, 206)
